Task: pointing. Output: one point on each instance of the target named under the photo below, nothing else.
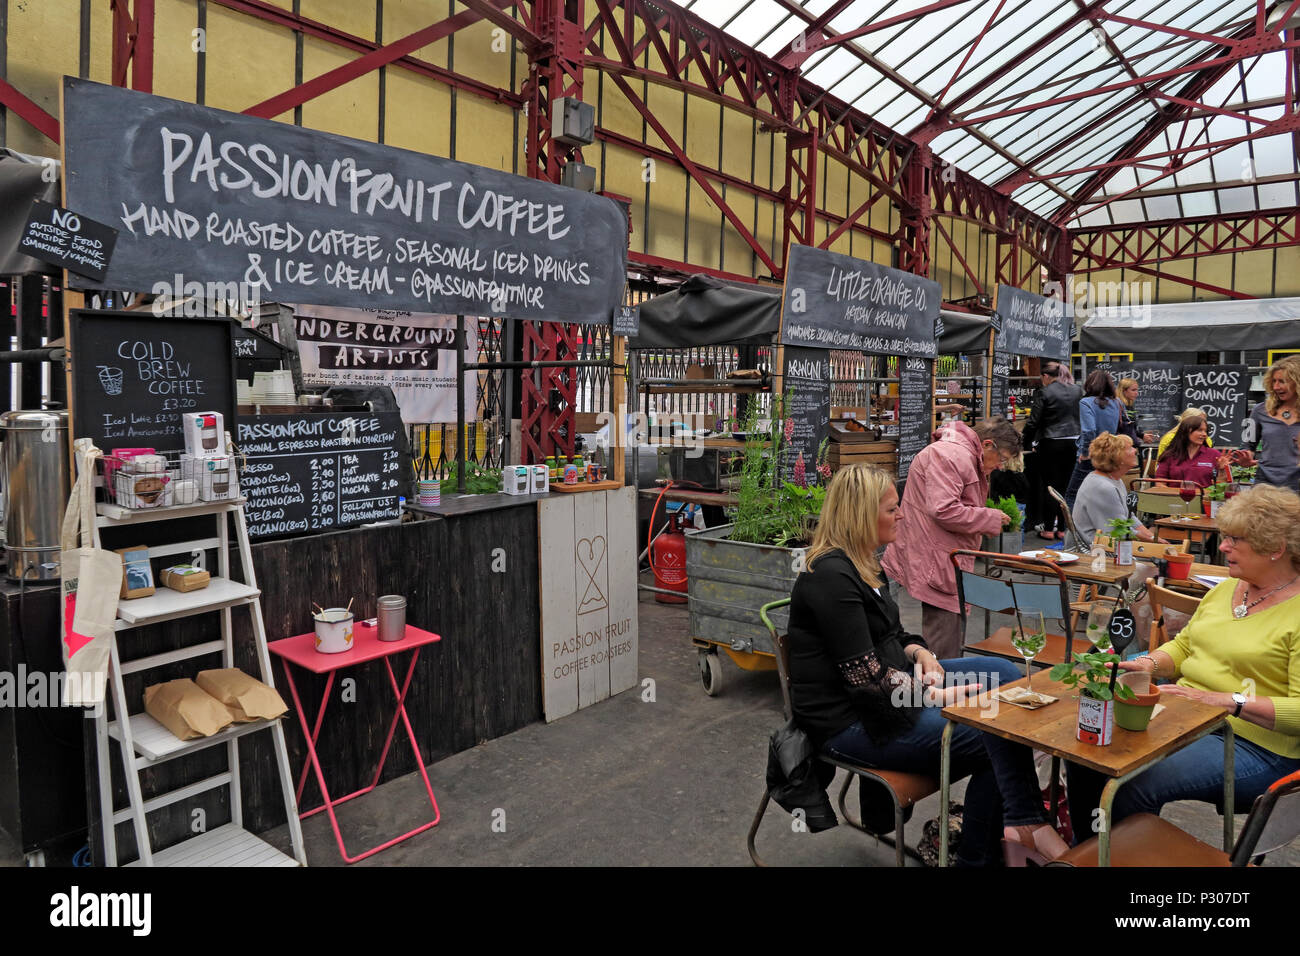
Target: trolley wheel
(711, 672)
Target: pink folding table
(366, 646)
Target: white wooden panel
(591, 588)
(555, 550)
(623, 632)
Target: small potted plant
(1136, 714)
(1121, 531)
(1215, 495)
(1244, 474)
(1096, 682)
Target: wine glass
(1099, 627)
(1030, 639)
(1187, 490)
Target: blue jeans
(1193, 773)
(1082, 469)
(1003, 784)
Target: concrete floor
(675, 781)
(627, 782)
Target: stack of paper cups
(430, 492)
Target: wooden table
(1052, 729)
(1204, 528)
(722, 499)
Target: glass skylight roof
(1037, 85)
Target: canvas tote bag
(92, 579)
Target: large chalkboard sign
(834, 301)
(309, 473)
(915, 411)
(134, 374)
(807, 377)
(1221, 390)
(1160, 391)
(286, 214)
(1032, 324)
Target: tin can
(392, 617)
(570, 474)
(593, 472)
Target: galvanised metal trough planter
(727, 582)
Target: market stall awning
(963, 332)
(23, 178)
(1194, 326)
(707, 311)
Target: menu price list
(914, 411)
(322, 474)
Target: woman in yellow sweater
(1240, 651)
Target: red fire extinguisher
(668, 559)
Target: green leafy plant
(1093, 680)
(769, 510)
(1007, 505)
(1217, 491)
(1121, 529)
(478, 480)
(1243, 472)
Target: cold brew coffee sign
(1032, 324)
(834, 301)
(280, 213)
(134, 375)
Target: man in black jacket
(1054, 425)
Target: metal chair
(1146, 840)
(1151, 502)
(1079, 543)
(998, 592)
(904, 790)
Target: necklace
(1242, 609)
(1286, 414)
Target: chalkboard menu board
(1000, 392)
(1160, 391)
(834, 301)
(1221, 390)
(134, 374)
(915, 411)
(808, 382)
(1032, 324)
(309, 473)
(276, 212)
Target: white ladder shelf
(141, 742)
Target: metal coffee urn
(36, 491)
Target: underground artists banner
(412, 353)
(274, 212)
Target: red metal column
(1008, 264)
(133, 43)
(548, 396)
(800, 192)
(914, 238)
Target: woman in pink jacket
(943, 510)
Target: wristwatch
(1240, 701)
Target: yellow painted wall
(249, 61)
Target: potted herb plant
(1215, 495)
(1244, 474)
(735, 569)
(1095, 679)
(1121, 531)
(1009, 540)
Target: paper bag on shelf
(183, 708)
(245, 697)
